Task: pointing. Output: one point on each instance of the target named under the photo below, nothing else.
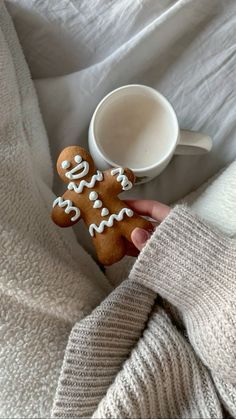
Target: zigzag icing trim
(69, 207)
(123, 179)
(79, 188)
(110, 221)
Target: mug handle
(192, 142)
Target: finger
(153, 209)
(139, 237)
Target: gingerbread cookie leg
(110, 247)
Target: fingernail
(141, 236)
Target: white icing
(80, 170)
(125, 182)
(104, 212)
(97, 204)
(65, 164)
(110, 221)
(93, 196)
(78, 159)
(79, 188)
(68, 204)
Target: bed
(79, 50)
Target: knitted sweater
(130, 359)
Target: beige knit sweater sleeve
(127, 359)
(194, 268)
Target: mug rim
(166, 103)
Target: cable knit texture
(152, 369)
(161, 379)
(194, 268)
(97, 348)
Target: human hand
(153, 209)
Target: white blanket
(47, 281)
(78, 50)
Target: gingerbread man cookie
(92, 196)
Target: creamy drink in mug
(135, 126)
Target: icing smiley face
(75, 164)
(80, 170)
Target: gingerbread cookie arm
(64, 212)
(119, 179)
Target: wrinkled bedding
(79, 50)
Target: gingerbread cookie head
(92, 196)
(74, 163)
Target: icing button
(93, 196)
(97, 204)
(104, 212)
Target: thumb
(139, 237)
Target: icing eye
(78, 159)
(65, 164)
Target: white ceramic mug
(135, 126)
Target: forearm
(98, 345)
(194, 268)
(156, 381)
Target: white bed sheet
(79, 50)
